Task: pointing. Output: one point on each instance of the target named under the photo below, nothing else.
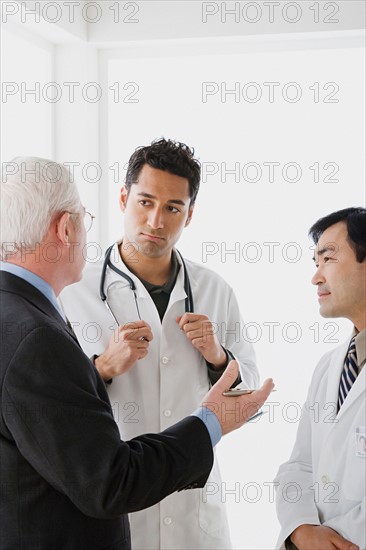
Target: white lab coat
(323, 483)
(164, 387)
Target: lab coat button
(167, 413)
(165, 360)
(325, 479)
(168, 521)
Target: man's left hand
(201, 333)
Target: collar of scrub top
(189, 305)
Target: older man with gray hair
(67, 480)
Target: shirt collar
(169, 285)
(360, 342)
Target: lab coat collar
(192, 279)
(112, 277)
(358, 387)
(178, 292)
(335, 370)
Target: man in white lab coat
(321, 491)
(179, 325)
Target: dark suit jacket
(66, 478)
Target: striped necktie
(349, 373)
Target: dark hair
(170, 156)
(355, 219)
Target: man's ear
(63, 229)
(123, 198)
(190, 214)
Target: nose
(155, 219)
(318, 277)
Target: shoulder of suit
(27, 323)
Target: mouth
(152, 238)
(322, 295)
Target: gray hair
(33, 191)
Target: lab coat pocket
(354, 480)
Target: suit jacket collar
(16, 285)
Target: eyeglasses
(88, 221)
(87, 217)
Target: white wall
(27, 119)
(77, 121)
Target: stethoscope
(189, 308)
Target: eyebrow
(323, 251)
(171, 201)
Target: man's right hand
(128, 344)
(319, 537)
(233, 412)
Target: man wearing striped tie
(321, 488)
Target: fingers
(228, 377)
(135, 325)
(190, 321)
(142, 354)
(250, 403)
(197, 338)
(341, 543)
(261, 395)
(198, 328)
(344, 545)
(232, 412)
(136, 331)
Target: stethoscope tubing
(189, 305)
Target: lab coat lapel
(178, 292)
(335, 370)
(355, 392)
(334, 373)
